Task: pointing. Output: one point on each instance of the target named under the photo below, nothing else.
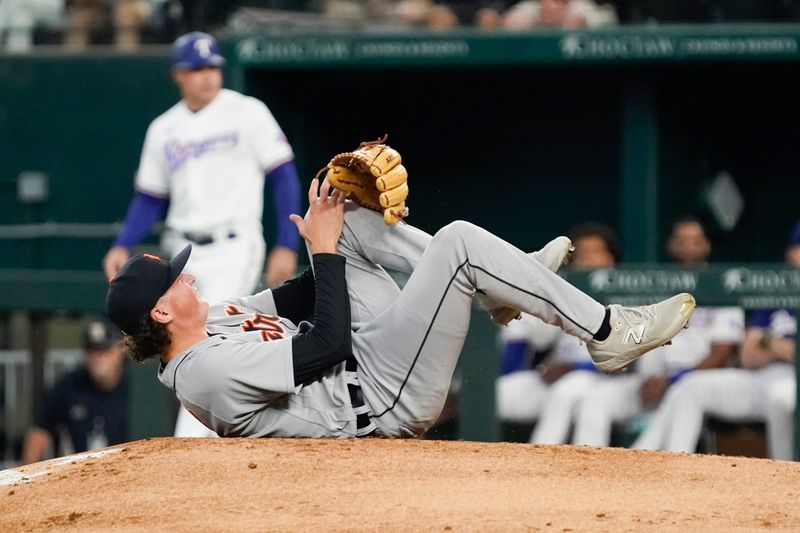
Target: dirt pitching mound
(393, 485)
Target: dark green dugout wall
(524, 153)
(81, 120)
(744, 119)
(625, 126)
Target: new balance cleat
(637, 330)
(555, 253)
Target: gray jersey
(240, 381)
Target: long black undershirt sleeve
(327, 343)
(295, 298)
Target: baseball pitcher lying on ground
(341, 351)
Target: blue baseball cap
(196, 50)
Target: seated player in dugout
(341, 351)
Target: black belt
(202, 239)
(357, 400)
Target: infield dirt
(169, 484)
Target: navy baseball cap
(196, 50)
(138, 285)
(100, 335)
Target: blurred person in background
(19, 17)
(762, 390)
(441, 17)
(487, 18)
(424, 13)
(207, 157)
(530, 14)
(535, 355)
(712, 341)
(90, 404)
(688, 243)
(483, 14)
(444, 14)
(126, 17)
(411, 12)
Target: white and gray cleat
(637, 330)
(555, 253)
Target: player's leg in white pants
(612, 399)
(519, 396)
(187, 425)
(659, 423)
(407, 354)
(560, 406)
(224, 268)
(728, 393)
(778, 385)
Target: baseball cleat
(553, 256)
(555, 253)
(637, 330)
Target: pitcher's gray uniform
(239, 382)
(403, 345)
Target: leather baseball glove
(372, 176)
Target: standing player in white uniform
(207, 158)
(342, 351)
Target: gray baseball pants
(407, 343)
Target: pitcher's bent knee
(459, 230)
